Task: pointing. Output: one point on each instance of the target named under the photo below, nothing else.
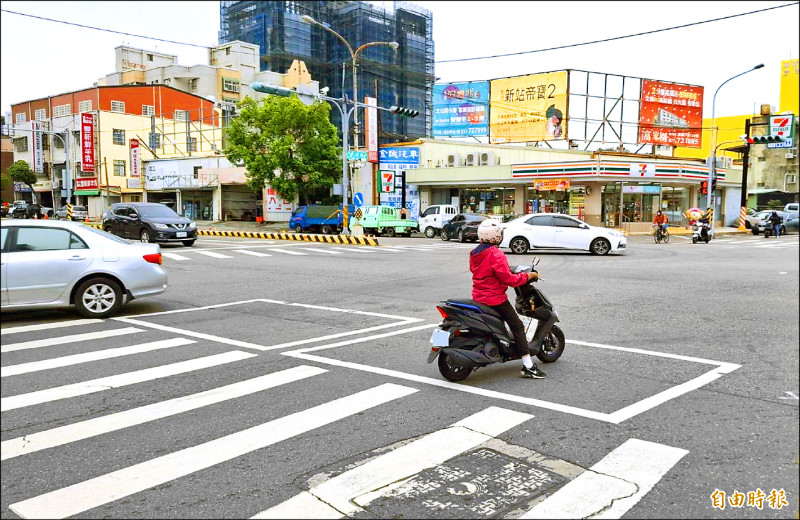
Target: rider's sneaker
(533, 373)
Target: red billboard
(89, 183)
(670, 114)
(87, 142)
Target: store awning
(91, 193)
(759, 191)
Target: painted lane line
(335, 497)
(288, 252)
(387, 248)
(190, 309)
(212, 254)
(143, 414)
(63, 340)
(612, 486)
(129, 378)
(46, 326)
(326, 251)
(101, 490)
(48, 364)
(338, 335)
(184, 332)
(248, 252)
(356, 249)
(175, 256)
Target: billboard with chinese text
(87, 142)
(528, 108)
(461, 109)
(396, 160)
(670, 114)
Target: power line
(616, 37)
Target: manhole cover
(482, 483)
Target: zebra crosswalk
(109, 477)
(263, 251)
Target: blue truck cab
(318, 218)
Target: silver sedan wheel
(600, 246)
(98, 298)
(519, 246)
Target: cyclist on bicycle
(661, 220)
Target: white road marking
(212, 254)
(248, 252)
(612, 486)
(790, 395)
(48, 364)
(387, 248)
(357, 249)
(288, 252)
(130, 378)
(327, 251)
(74, 338)
(117, 421)
(95, 492)
(174, 256)
(45, 326)
(335, 497)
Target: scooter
(473, 335)
(701, 231)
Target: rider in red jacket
(491, 277)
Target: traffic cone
(35, 216)
(86, 219)
(45, 217)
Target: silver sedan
(48, 264)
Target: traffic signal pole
(745, 166)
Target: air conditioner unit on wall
(487, 159)
(453, 159)
(472, 159)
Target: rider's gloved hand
(533, 276)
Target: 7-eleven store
(601, 188)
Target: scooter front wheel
(552, 346)
(451, 369)
(694, 240)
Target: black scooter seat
(483, 307)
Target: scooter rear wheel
(452, 370)
(552, 346)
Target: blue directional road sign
(356, 155)
(358, 199)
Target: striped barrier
(300, 237)
(742, 215)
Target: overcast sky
(41, 58)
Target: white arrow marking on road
(45, 326)
(334, 498)
(95, 492)
(612, 486)
(130, 378)
(117, 421)
(63, 340)
(48, 364)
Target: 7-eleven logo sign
(387, 178)
(782, 126)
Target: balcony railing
(171, 182)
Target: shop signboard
(782, 126)
(551, 184)
(87, 142)
(38, 160)
(398, 159)
(86, 183)
(136, 168)
(670, 114)
(274, 203)
(372, 129)
(461, 109)
(647, 189)
(529, 108)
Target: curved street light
(712, 173)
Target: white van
(434, 217)
(792, 206)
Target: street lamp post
(712, 173)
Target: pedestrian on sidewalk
(776, 220)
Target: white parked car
(558, 231)
(51, 263)
(434, 217)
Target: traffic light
(401, 111)
(760, 139)
(704, 187)
(713, 184)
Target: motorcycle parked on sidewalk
(701, 231)
(473, 335)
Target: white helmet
(490, 232)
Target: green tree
(20, 171)
(285, 144)
(775, 204)
(5, 181)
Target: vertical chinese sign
(136, 168)
(461, 109)
(670, 114)
(529, 108)
(398, 160)
(372, 129)
(87, 142)
(38, 160)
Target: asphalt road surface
(287, 379)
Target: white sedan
(558, 231)
(48, 264)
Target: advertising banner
(372, 129)
(782, 126)
(552, 184)
(670, 114)
(274, 203)
(86, 183)
(396, 160)
(529, 108)
(87, 142)
(461, 109)
(136, 164)
(38, 160)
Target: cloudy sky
(41, 58)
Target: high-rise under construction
(402, 77)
